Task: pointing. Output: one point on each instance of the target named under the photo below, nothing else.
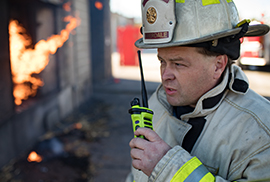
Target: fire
(77, 126)
(98, 5)
(67, 7)
(34, 157)
(26, 61)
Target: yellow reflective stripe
(197, 174)
(242, 22)
(186, 170)
(205, 2)
(191, 171)
(208, 178)
(209, 2)
(180, 1)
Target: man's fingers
(147, 153)
(136, 163)
(136, 153)
(148, 133)
(138, 143)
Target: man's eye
(180, 65)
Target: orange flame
(67, 7)
(26, 61)
(98, 5)
(77, 126)
(34, 157)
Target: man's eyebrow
(172, 59)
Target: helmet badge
(151, 15)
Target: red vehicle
(255, 51)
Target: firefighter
(208, 124)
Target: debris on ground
(62, 155)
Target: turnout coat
(234, 144)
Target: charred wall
(67, 78)
(7, 104)
(100, 19)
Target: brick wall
(82, 53)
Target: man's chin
(172, 101)
(177, 102)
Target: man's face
(186, 74)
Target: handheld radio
(141, 116)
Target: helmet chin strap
(228, 45)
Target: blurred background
(69, 70)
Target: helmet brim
(253, 30)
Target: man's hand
(147, 153)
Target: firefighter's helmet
(169, 23)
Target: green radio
(141, 116)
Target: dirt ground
(66, 151)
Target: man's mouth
(170, 91)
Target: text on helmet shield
(157, 35)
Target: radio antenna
(143, 88)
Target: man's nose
(167, 74)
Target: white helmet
(168, 23)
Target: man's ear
(220, 65)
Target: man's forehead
(171, 58)
(176, 53)
(176, 48)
